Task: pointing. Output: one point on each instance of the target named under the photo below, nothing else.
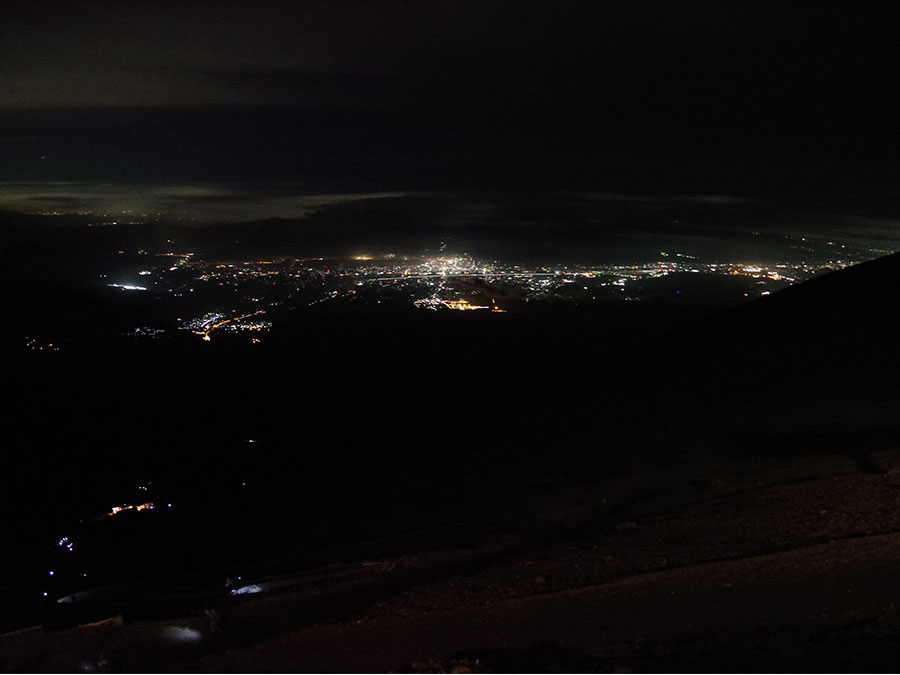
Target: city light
(245, 292)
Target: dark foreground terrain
(724, 498)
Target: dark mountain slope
(712, 550)
(821, 354)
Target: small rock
(628, 525)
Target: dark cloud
(513, 90)
(97, 53)
(306, 88)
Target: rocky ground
(721, 562)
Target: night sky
(747, 97)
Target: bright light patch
(128, 287)
(247, 590)
(182, 634)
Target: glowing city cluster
(208, 298)
(242, 297)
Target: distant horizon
(550, 227)
(72, 197)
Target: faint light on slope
(182, 634)
(247, 590)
